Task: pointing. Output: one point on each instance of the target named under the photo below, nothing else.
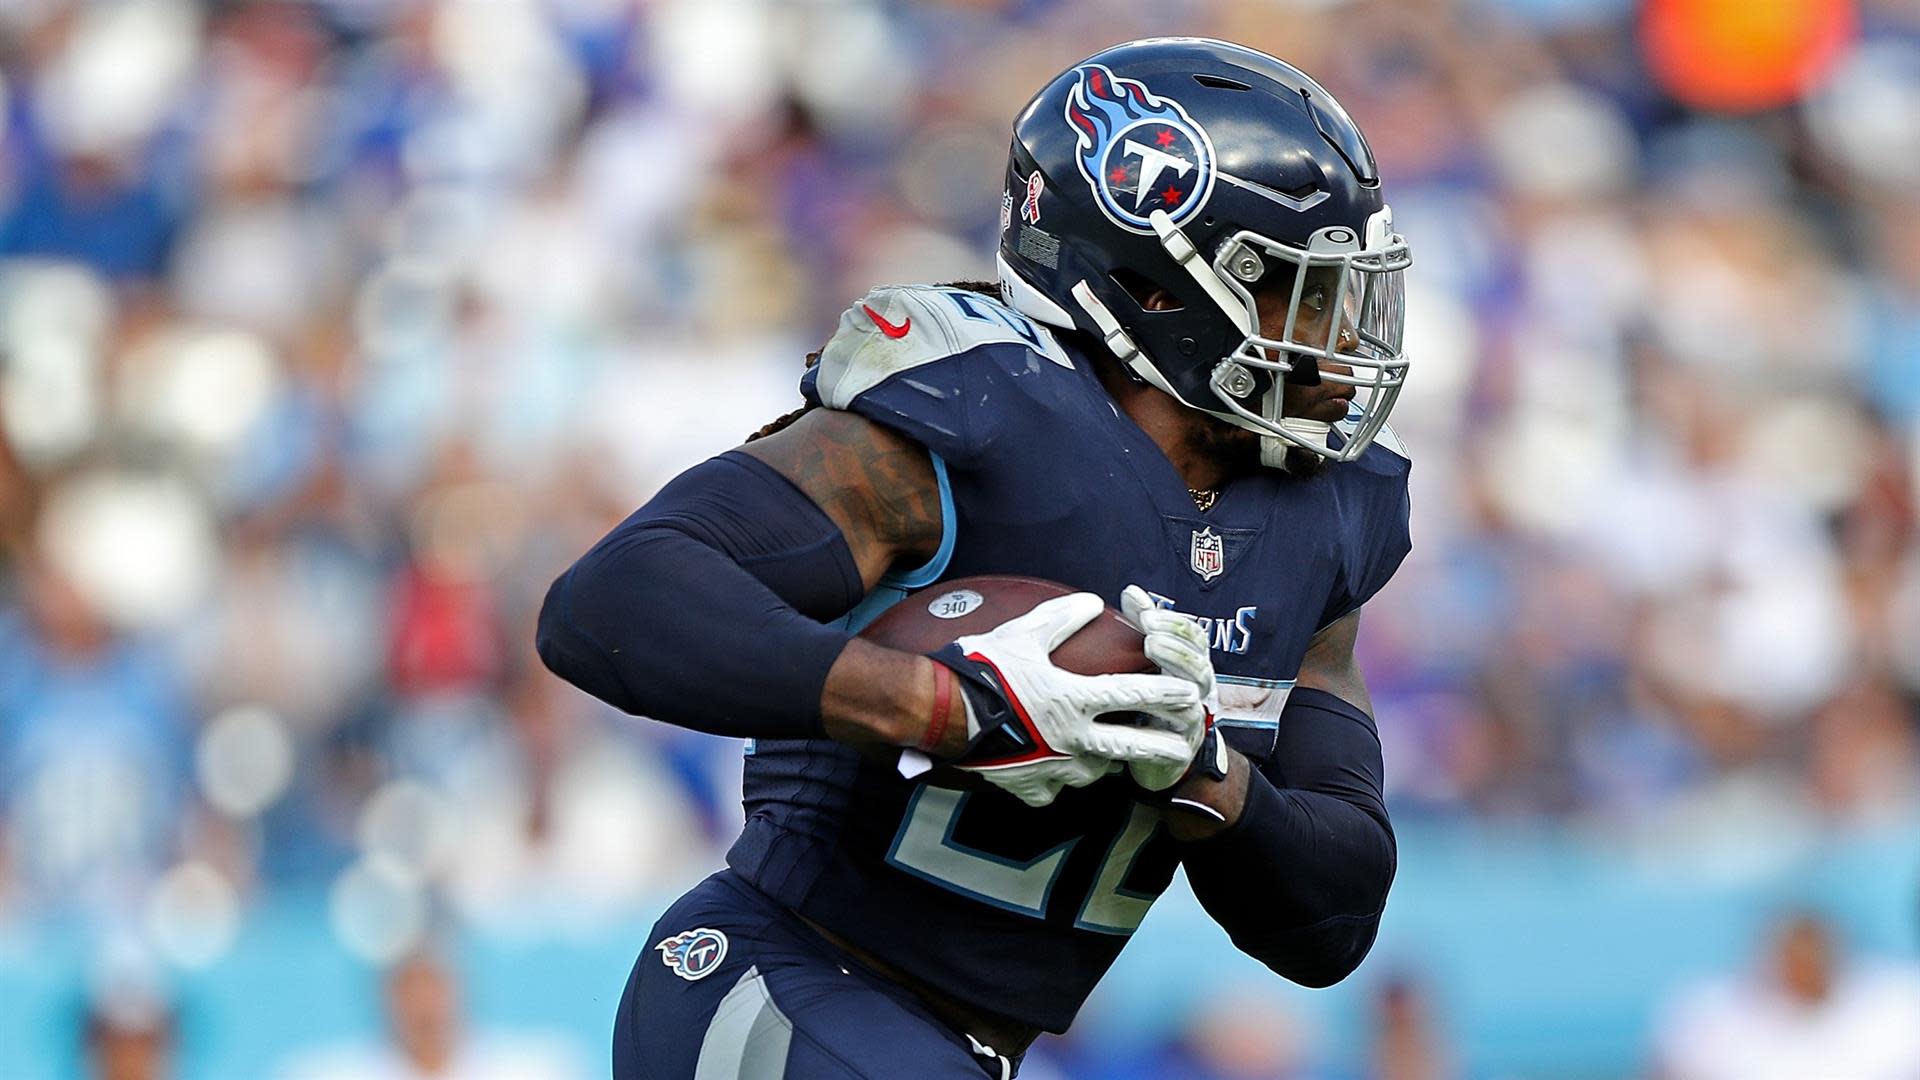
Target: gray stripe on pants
(748, 1036)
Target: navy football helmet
(1221, 180)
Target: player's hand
(1036, 729)
(1177, 646)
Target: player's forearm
(1298, 882)
(885, 697)
(1298, 877)
(1223, 801)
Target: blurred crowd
(331, 331)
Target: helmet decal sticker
(1139, 152)
(1030, 210)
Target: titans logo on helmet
(1138, 151)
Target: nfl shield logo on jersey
(1209, 554)
(694, 954)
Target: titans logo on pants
(694, 954)
(1139, 152)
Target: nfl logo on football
(1209, 554)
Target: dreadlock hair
(778, 424)
(784, 421)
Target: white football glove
(1035, 727)
(1176, 644)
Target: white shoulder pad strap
(896, 328)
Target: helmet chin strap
(1273, 450)
(1299, 431)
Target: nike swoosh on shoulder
(886, 327)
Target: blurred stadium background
(331, 331)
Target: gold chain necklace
(1204, 498)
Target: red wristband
(942, 708)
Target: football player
(1174, 400)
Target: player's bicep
(877, 486)
(1330, 664)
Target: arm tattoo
(877, 486)
(1331, 666)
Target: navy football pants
(743, 990)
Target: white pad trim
(931, 324)
(1025, 298)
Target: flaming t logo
(1135, 144)
(1152, 164)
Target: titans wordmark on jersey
(1015, 909)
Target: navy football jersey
(1015, 909)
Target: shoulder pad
(897, 328)
(1387, 440)
(1384, 438)
(1375, 528)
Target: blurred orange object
(1744, 55)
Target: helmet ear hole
(1146, 294)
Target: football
(933, 617)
